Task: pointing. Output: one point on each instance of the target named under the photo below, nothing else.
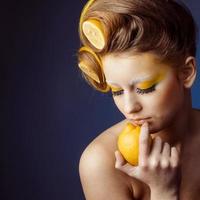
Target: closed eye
(145, 91)
(117, 93)
(138, 90)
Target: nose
(132, 105)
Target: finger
(157, 147)
(174, 157)
(123, 166)
(165, 159)
(144, 145)
(166, 150)
(130, 170)
(154, 158)
(120, 161)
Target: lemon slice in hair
(94, 32)
(84, 11)
(84, 67)
(88, 71)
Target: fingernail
(116, 153)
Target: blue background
(50, 114)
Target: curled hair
(163, 27)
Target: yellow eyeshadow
(115, 89)
(148, 84)
(142, 85)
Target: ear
(187, 73)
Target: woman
(143, 52)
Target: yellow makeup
(149, 83)
(114, 89)
(145, 84)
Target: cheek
(167, 99)
(119, 104)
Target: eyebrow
(136, 80)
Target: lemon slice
(92, 75)
(94, 32)
(88, 71)
(84, 67)
(89, 50)
(84, 11)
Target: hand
(157, 166)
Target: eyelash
(139, 91)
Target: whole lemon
(128, 143)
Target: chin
(155, 127)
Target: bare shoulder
(106, 141)
(99, 178)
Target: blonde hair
(163, 27)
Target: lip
(139, 121)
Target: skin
(167, 169)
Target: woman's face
(144, 89)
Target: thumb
(120, 161)
(125, 167)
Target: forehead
(141, 60)
(121, 66)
